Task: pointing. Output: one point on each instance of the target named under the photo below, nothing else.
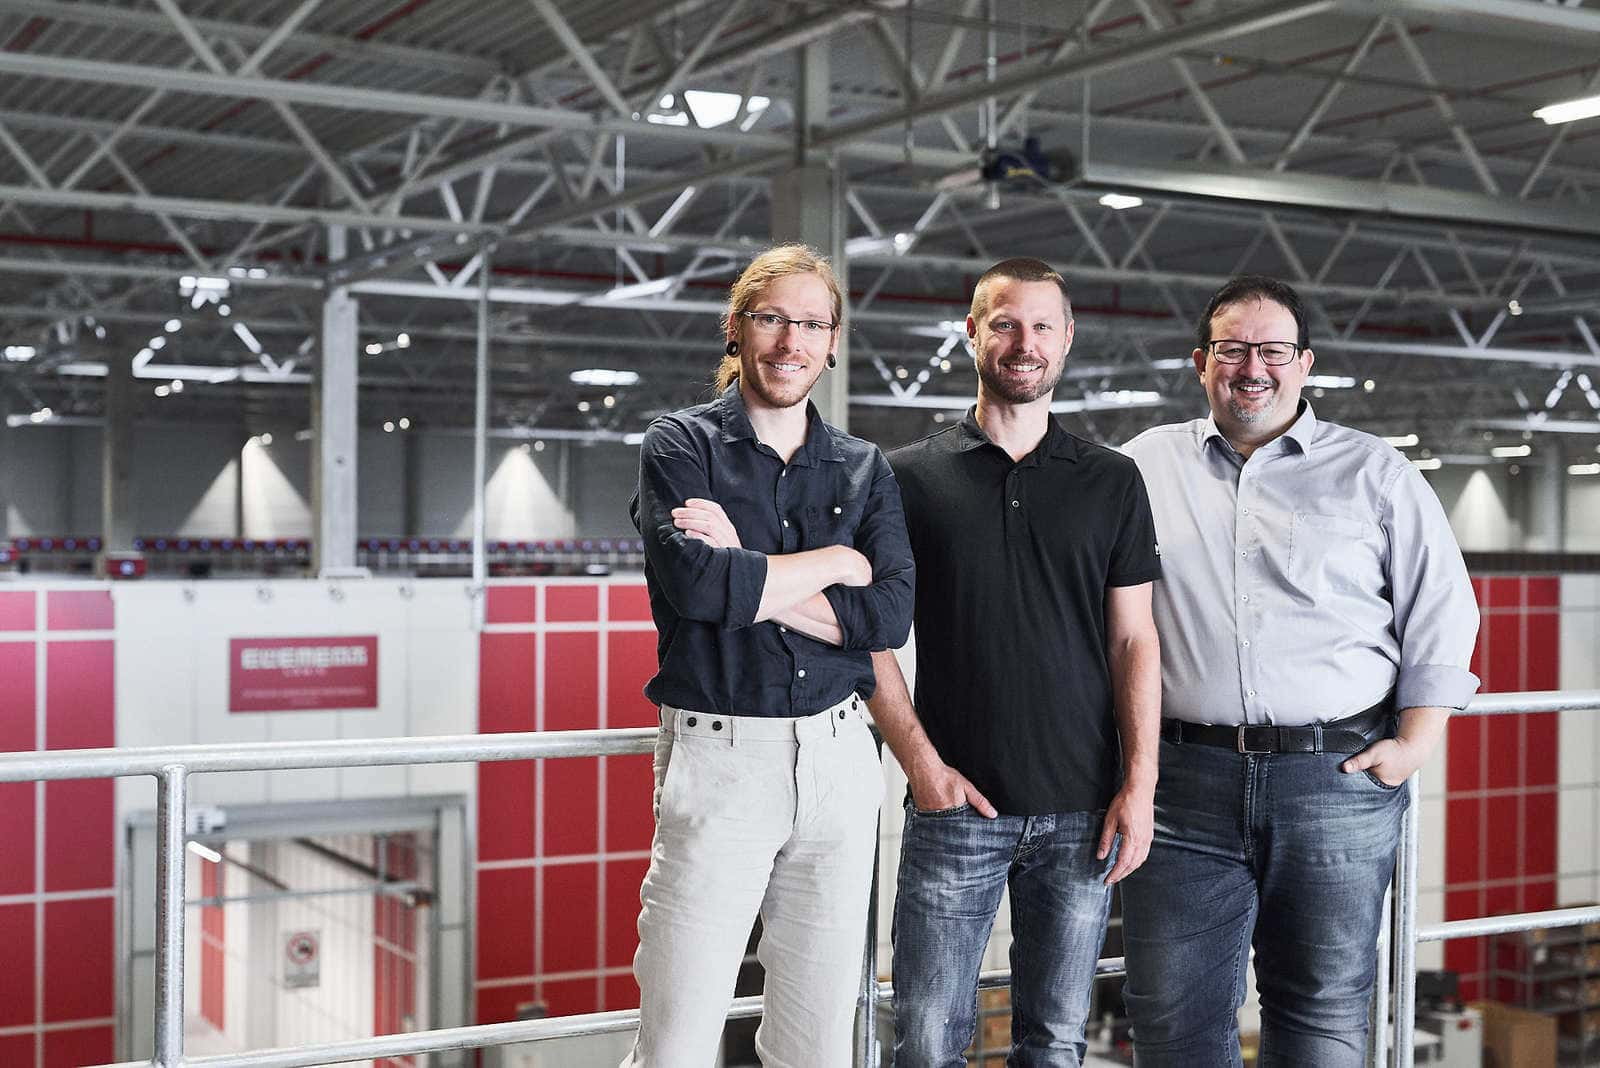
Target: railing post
(172, 819)
(1378, 1047)
(867, 999)
(1405, 931)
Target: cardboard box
(1516, 1038)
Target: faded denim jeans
(1284, 852)
(954, 865)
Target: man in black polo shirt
(1031, 751)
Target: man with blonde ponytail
(777, 561)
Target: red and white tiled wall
(562, 844)
(57, 860)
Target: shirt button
(1244, 511)
(784, 473)
(801, 673)
(782, 629)
(1249, 693)
(1245, 553)
(837, 510)
(1016, 504)
(785, 522)
(1245, 643)
(1244, 597)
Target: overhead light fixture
(1514, 307)
(388, 426)
(583, 406)
(374, 348)
(157, 343)
(1330, 382)
(163, 391)
(20, 353)
(1569, 110)
(609, 401)
(242, 332)
(173, 326)
(1369, 385)
(1432, 463)
(43, 415)
(177, 385)
(1121, 201)
(405, 424)
(402, 340)
(1402, 441)
(603, 377)
(1583, 469)
(1507, 452)
(266, 438)
(712, 109)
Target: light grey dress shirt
(1305, 583)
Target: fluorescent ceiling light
(1121, 201)
(20, 353)
(1570, 110)
(243, 333)
(1402, 441)
(1583, 469)
(204, 853)
(1330, 382)
(1507, 452)
(1433, 463)
(603, 376)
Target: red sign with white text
(301, 674)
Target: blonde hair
(777, 262)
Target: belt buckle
(1239, 742)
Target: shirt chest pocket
(826, 523)
(1333, 553)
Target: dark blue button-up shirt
(835, 490)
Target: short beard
(1002, 390)
(1248, 416)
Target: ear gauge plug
(732, 348)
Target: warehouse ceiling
(183, 181)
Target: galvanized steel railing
(172, 766)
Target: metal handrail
(172, 765)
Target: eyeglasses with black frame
(773, 323)
(1273, 353)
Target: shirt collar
(1301, 432)
(820, 443)
(1055, 443)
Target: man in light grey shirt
(1316, 624)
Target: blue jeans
(1284, 852)
(953, 867)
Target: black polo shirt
(835, 490)
(1013, 562)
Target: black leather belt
(1348, 735)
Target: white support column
(334, 419)
(808, 205)
(1546, 500)
(116, 463)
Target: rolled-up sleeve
(878, 616)
(1435, 613)
(701, 582)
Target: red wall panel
(630, 788)
(506, 810)
(78, 966)
(80, 695)
(572, 807)
(622, 910)
(498, 1004)
(630, 602)
(79, 1046)
(505, 922)
(511, 604)
(571, 604)
(630, 663)
(507, 683)
(571, 942)
(17, 964)
(572, 681)
(18, 1050)
(80, 819)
